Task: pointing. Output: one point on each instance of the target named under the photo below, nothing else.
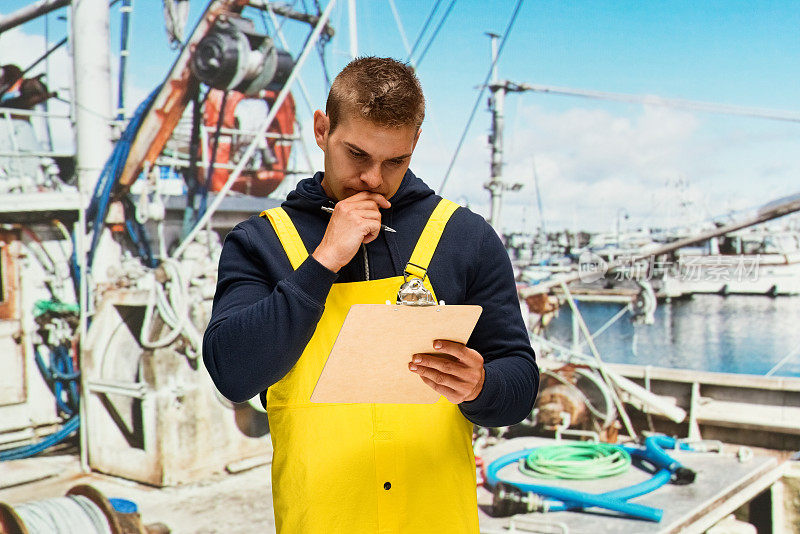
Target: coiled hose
(560, 498)
(64, 515)
(576, 461)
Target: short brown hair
(381, 90)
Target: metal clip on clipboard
(413, 292)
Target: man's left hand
(458, 376)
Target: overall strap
(288, 235)
(429, 239)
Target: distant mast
(496, 185)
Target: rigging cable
(480, 94)
(400, 27)
(436, 31)
(212, 160)
(424, 29)
(190, 173)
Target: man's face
(363, 156)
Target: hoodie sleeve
(512, 376)
(259, 328)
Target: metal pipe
(353, 27)
(125, 10)
(137, 390)
(600, 364)
(23, 15)
(312, 40)
(79, 231)
(44, 56)
(32, 113)
(285, 10)
(92, 109)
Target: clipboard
(369, 359)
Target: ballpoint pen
(383, 226)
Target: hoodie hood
(310, 196)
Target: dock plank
(748, 416)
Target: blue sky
(592, 158)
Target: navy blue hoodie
(265, 313)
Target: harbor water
(731, 334)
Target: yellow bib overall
(366, 468)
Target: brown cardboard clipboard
(369, 359)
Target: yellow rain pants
(366, 468)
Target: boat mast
(496, 186)
(91, 113)
(353, 26)
(92, 109)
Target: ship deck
(242, 502)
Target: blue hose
(60, 375)
(98, 207)
(567, 499)
(61, 378)
(26, 451)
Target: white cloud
(661, 166)
(22, 49)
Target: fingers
(365, 196)
(368, 214)
(455, 372)
(454, 390)
(439, 363)
(458, 350)
(433, 371)
(374, 228)
(451, 394)
(379, 199)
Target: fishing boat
(108, 261)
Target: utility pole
(496, 186)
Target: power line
(480, 94)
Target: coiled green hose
(576, 461)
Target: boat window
(771, 245)
(751, 247)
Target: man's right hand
(355, 220)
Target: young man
(286, 282)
